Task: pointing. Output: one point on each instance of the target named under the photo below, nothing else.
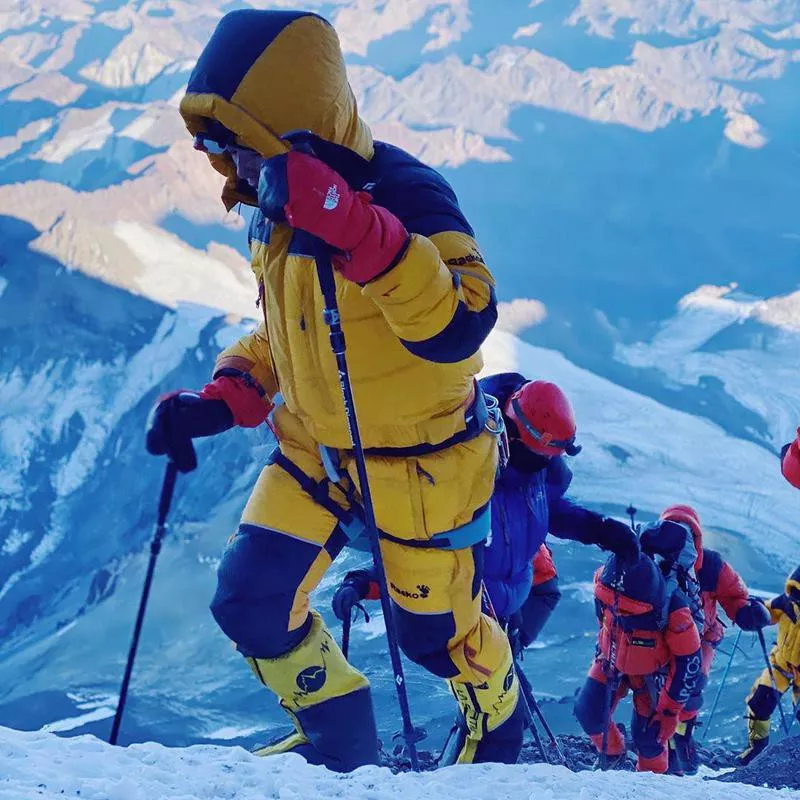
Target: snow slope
(572, 112)
(750, 345)
(638, 450)
(44, 766)
(73, 558)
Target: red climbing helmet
(544, 419)
(689, 517)
(790, 462)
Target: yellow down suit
(413, 338)
(785, 661)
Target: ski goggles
(206, 144)
(542, 437)
(215, 139)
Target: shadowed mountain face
(610, 165)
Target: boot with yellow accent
(685, 747)
(758, 736)
(492, 720)
(328, 701)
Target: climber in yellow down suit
(416, 302)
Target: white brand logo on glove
(331, 198)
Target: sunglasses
(545, 439)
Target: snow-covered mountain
(632, 173)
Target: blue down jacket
(525, 507)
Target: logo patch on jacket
(311, 679)
(331, 198)
(639, 641)
(473, 257)
(421, 593)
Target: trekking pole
(347, 622)
(772, 678)
(721, 686)
(795, 712)
(526, 694)
(611, 685)
(332, 319)
(531, 722)
(527, 691)
(167, 487)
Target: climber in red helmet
(707, 580)
(528, 503)
(790, 461)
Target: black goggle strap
(215, 138)
(567, 445)
(206, 144)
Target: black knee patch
(591, 707)
(424, 637)
(257, 579)
(763, 702)
(645, 737)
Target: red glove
(316, 199)
(243, 396)
(666, 717)
(790, 464)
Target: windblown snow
(41, 765)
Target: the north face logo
(331, 198)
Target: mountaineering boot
(685, 748)
(615, 753)
(493, 718)
(674, 763)
(612, 762)
(454, 743)
(328, 701)
(758, 735)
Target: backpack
(632, 604)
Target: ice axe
(347, 625)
